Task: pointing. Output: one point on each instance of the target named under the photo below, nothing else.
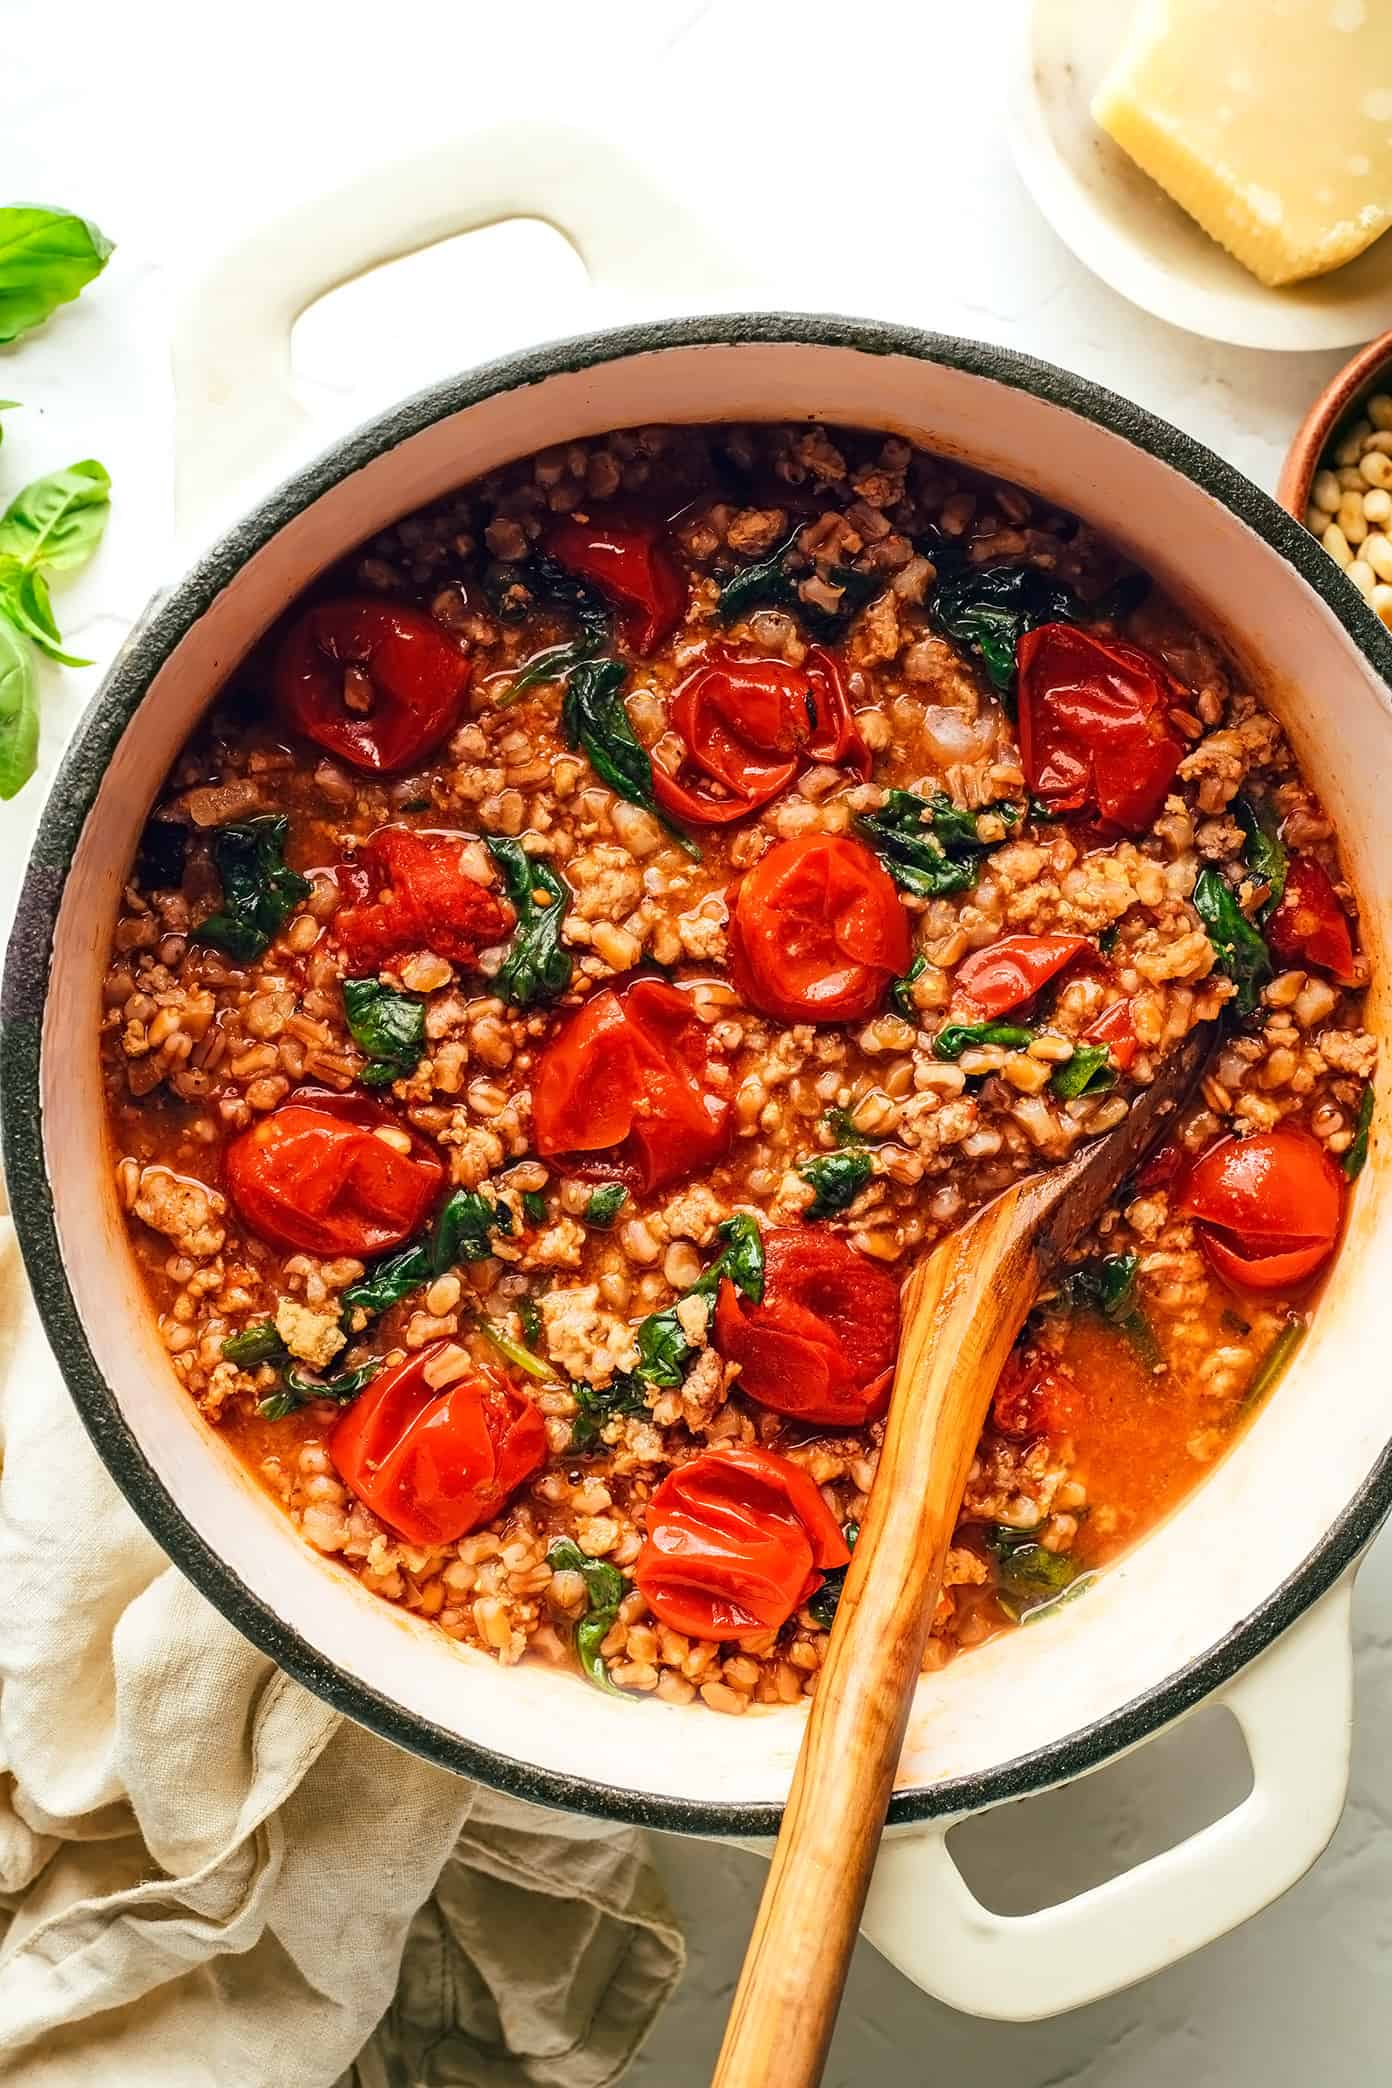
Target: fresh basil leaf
(259, 892)
(823, 1605)
(536, 968)
(929, 845)
(1353, 1160)
(956, 1037)
(388, 1282)
(605, 1588)
(837, 1178)
(1264, 852)
(601, 1404)
(298, 1390)
(596, 724)
(25, 603)
(605, 1204)
(58, 521)
(258, 1344)
(1109, 1288)
(989, 608)
(388, 1028)
(46, 257)
(901, 992)
(1237, 946)
(1089, 1072)
(19, 713)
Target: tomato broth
(625, 914)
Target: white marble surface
(857, 159)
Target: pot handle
(1295, 1707)
(236, 409)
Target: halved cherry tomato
(434, 1464)
(745, 724)
(378, 685)
(624, 1092)
(1034, 1396)
(1114, 1028)
(817, 931)
(821, 1344)
(1309, 926)
(408, 892)
(1268, 1207)
(735, 1538)
(631, 564)
(317, 1176)
(1010, 972)
(1094, 725)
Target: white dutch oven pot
(1261, 1552)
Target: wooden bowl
(1358, 377)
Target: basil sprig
(52, 525)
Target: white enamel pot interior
(1272, 1528)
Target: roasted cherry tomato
(1094, 725)
(377, 685)
(1268, 1207)
(821, 1344)
(1309, 926)
(746, 724)
(406, 891)
(1114, 1028)
(1034, 1396)
(632, 565)
(625, 1091)
(817, 931)
(1010, 972)
(326, 1174)
(433, 1461)
(735, 1540)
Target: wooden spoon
(962, 1308)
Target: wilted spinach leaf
(837, 1178)
(600, 1404)
(824, 1604)
(1089, 1072)
(901, 992)
(605, 1588)
(388, 1028)
(597, 725)
(1108, 1287)
(1030, 1576)
(956, 1037)
(297, 1390)
(254, 1345)
(929, 845)
(1356, 1156)
(259, 892)
(536, 968)
(605, 1204)
(1263, 852)
(1237, 946)
(989, 608)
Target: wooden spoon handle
(961, 1311)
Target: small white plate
(1126, 229)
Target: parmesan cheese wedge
(1269, 121)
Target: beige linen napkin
(208, 1877)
